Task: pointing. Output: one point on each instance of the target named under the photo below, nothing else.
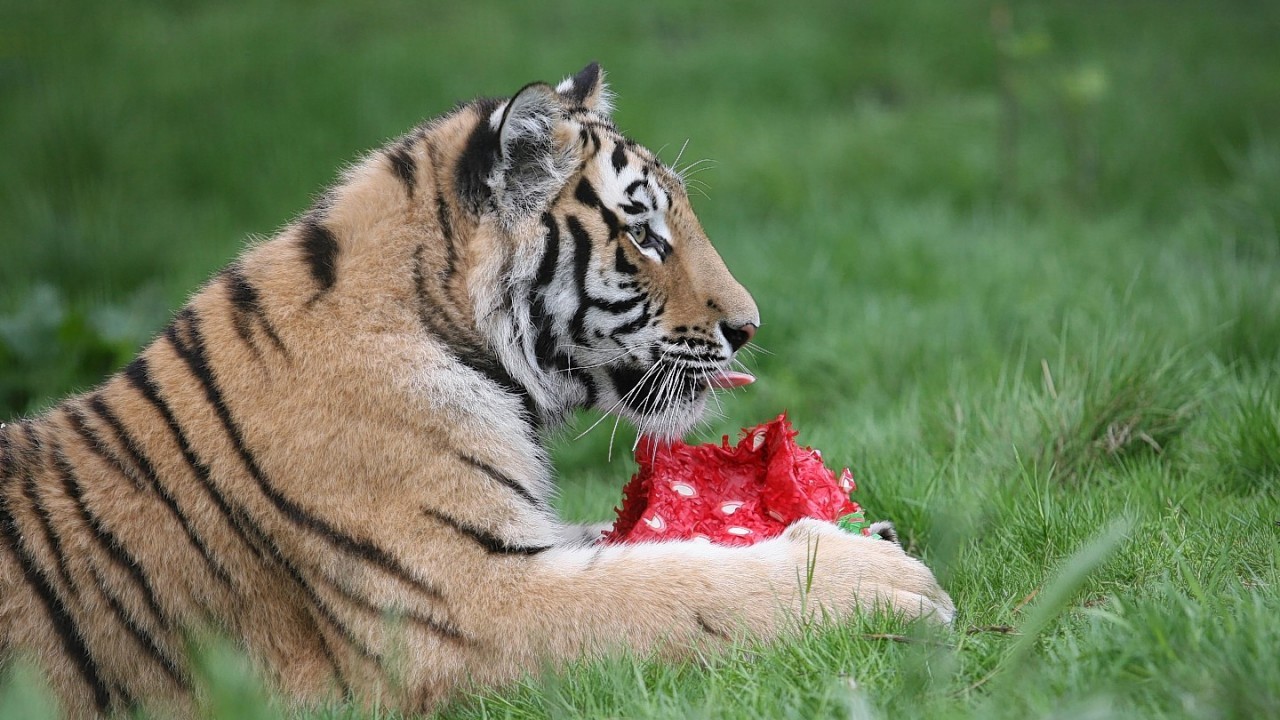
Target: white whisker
(676, 163)
(622, 399)
(698, 165)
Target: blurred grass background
(1018, 265)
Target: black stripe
(433, 319)
(440, 318)
(99, 448)
(581, 262)
(446, 229)
(241, 320)
(343, 685)
(344, 631)
(143, 463)
(69, 634)
(618, 307)
(635, 325)
(619, 157)
(127, 700)
(586, 194)
(277, 558)
(7, 461)
(602, 125)
(404, 166)
(477, 158)
(107, 540)
(444, 215)
(497, 475)
(593, 393)
(197, 361)
(548, 352)
(621, 264)
(144, 638)
(440, 627)
(137, 373)
(710, 629)
(545, 346)
(491, 543)
(320, 250)
(51, 538)
(610, 219)
(635, 185)
(247, 307)
(550, 256)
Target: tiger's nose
(737, 336)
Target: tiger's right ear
(587, 89)
(535, 157)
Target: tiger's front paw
(839, 567)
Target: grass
(1019, 267)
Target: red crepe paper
(731, 495)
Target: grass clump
(1247, 441)
(1116, 408)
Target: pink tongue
(730, 379)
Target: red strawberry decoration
(732, 495)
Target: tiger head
(624, 305)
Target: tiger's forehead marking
(631, 180)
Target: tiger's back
(333, 452)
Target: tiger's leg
(671, 598)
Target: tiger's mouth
(727, 379)
(668, 398)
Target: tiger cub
(332, 453)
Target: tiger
(335, 453)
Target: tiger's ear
(535, 158)
(587, 89)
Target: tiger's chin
(672, 422)
(664, 406)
